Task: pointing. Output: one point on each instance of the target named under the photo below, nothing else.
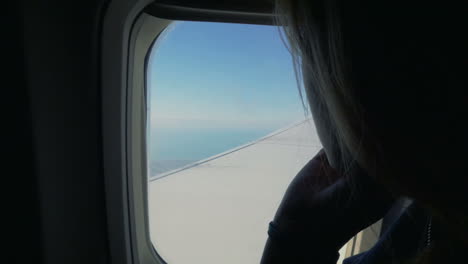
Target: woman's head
(385, 82)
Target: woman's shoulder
(402, 240)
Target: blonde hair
(315, 42)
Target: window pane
(227, 133)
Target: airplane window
(227, 133)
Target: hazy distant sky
(222, 75)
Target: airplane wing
(217, 210)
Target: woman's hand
(325, 209)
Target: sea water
(172, 148)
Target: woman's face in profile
(325, 135)
(323, 126)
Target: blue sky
(222, 75)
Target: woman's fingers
(320, 199)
